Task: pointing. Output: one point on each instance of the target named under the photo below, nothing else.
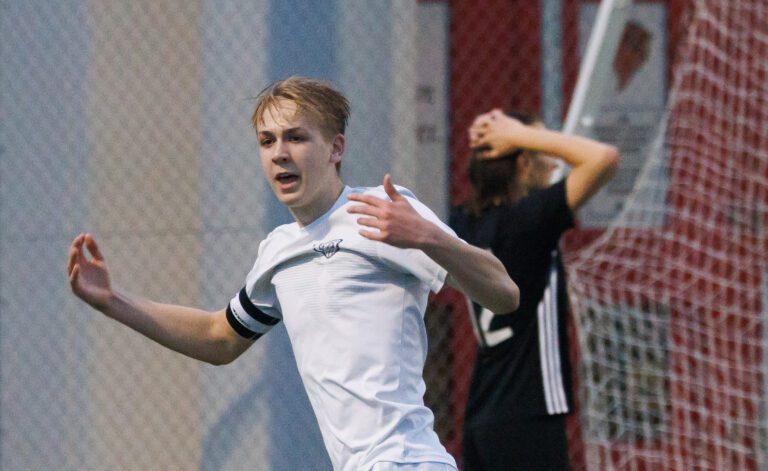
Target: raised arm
(199, 334)
(476, 272)
(592, 163)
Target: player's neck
(320, 205)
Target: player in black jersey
(521, 385)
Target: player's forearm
(476, 272)
(191, 332)
(573, 150)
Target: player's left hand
(397, 222)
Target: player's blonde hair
(315, 99)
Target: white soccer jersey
(353, 309)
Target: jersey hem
(421, 459)
(506, 418)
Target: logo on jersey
(328, 249)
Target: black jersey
(522, 366)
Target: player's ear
(523, 169)
(523, 163)
(337, 148)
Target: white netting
(671, 300)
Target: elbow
(222, 358)
(224, 351)
(509, 302)
(605, 166)
(222, 345)
(513, 298)
(610, 159)
(516, 298)
(219, 360)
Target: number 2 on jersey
(481, 323)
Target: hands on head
(495, 134)
(398, 223)
(88, 278)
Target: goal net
(671, 299)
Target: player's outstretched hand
(397, 222)
(89, 279)
(495, 134)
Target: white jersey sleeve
(415, 261)
(254, 310)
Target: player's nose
(281, 152)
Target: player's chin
(288, 198)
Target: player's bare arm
(199, 334)
(592, 163)
(476, 272)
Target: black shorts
(530, 444)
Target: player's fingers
(77, 242)
(390, 189)
(368, 210)
(477, 141)
(492, 114)
(370, 222)
(93, 248)
(367, 199)
(371, 235)
(71, 260)
(480, 122)
(485, 153)
(80, 252)
(73, 275)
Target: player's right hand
(496, 134)
(396, 222)
(89, 279)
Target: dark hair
(494, 180)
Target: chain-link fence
(131, 120)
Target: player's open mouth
(286, 180)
